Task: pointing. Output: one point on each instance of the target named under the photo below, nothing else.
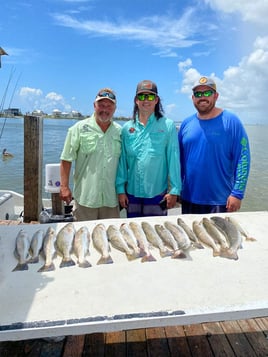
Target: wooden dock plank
(94, 345)
(136, 343)
(237, 339)
(156, 342)
(199, 345)
(115, 344)
(177, 341)
(74, 346)
(255, 336)
(217, 340)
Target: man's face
(104, 110)
(206, 102)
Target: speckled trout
(205, 238)
(153, 237)
(232, 235)
(81, 246)
(21, 251)
(100, 242)
(49, 250)
(36, 246)
(142, 241)
(64, 244)
(190, 233)
(170, 241)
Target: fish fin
(21, 267)
(33, 260)
(105, 260)
(84, 264)
(66, 263)
(50, 267)
(178, 254)
(148, 258)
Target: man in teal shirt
(94, 144)
(148, 170)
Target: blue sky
(61, 52)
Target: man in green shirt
(94, 144)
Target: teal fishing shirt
(96, 155)
(149, 162)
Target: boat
(12, 205)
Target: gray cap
(146, 86)
(205, 81)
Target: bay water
(54, 133)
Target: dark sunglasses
(107, 94)
(148, 96)
(206, 93)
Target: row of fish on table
(222, 235)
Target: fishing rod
(4, 97)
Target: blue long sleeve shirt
(215, 159)
(149, 161)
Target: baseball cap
(205, 81)
(106, 93)
(146, 86)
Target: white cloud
(34, 99)
(242, 86)
(162, 32)
(254, 11)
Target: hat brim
(204, 85)
(145, 91)
(101, 98)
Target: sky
(61, 52)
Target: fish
(153, 237)
(101, 243)
(21, 251)
(118, 242)
(49, 250)
(233, 236)
(179, 234)
(131, 240)
(214, 232)
(242, 231)
(81, 244)
(190, 233)
(36, 246)
(142, 241)
(170, 241)
(64, 244)
(205, 238)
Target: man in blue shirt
(214, 155)
(148, 170)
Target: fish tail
(84, 264)
(49, 267)
(165, 253)
(142, 253)
(105, 260)
(66, 263)
(197, 245)
(178, 254)
(21, 267)
(33, 260)
(148, 258)
(229, 254)
(132, 256)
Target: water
(11, 170)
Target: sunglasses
(144, 96)
(106, 94)
(206, 93)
